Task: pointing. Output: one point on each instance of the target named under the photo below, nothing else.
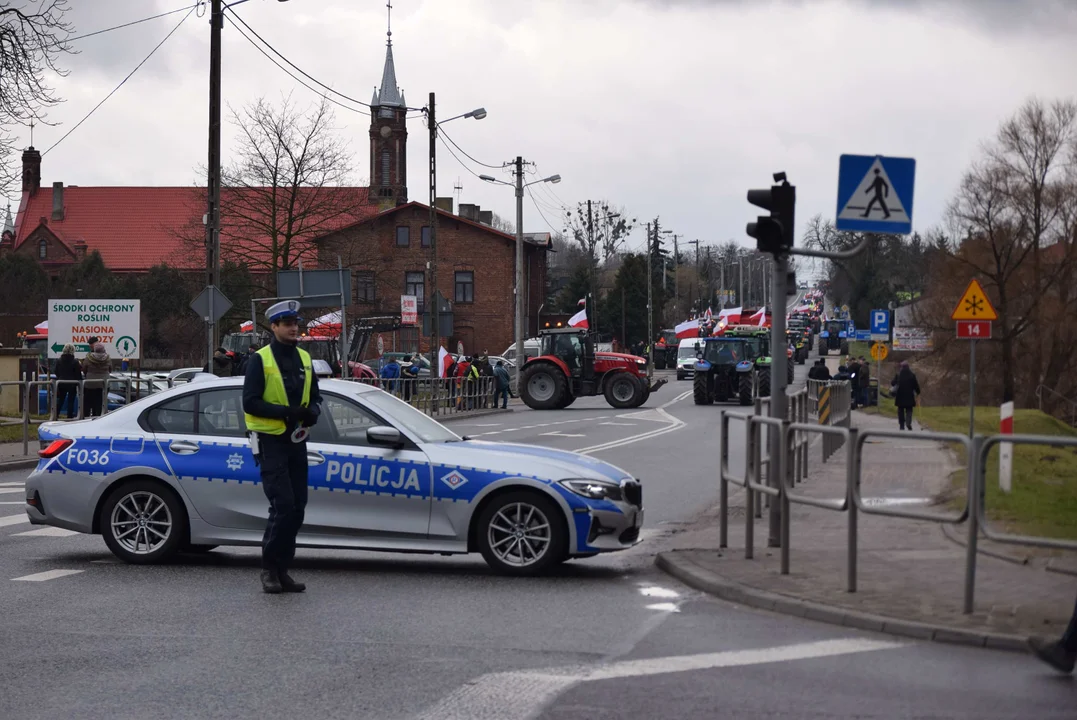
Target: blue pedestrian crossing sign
(875, 194)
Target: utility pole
(592, 323)
(650, 311)
(624, 322)
(520, 269)
(695, 287)
(676, 282)
(435, 310)
(740, 285)
(213, 174)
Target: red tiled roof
(135, 228)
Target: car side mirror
(384, 436)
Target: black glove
(310, 418)
(295, 414)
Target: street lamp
(520, 313)
(213, 166)
(435, 311)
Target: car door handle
(182, 447)
(314, 458)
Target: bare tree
(601, 232)
(500, 223)
(287, 186)
(33, 38)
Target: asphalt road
(386, 636)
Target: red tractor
(567, 367)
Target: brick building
(379, 234)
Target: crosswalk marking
(47, 532)
(12, 484)
(11, 490)
(13, 520)
(48, 575)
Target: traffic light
(774, 233)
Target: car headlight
(595, 489)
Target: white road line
(13, 520)
(673, 425)
(48, 575)
(47, 532)
(618, 424)
(520, 695)
(12, 502)
(489, 424)
(675, 400)
(558, 433)
(12, 484)
(11, 491)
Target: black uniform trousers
(284, 481)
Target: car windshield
(722, 352)
(426, 428)
(686, 351)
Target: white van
(686, 358)
(531, 349)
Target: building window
(42, 249)
(385, 163)
(364, 286)
(414, 283)
(403, 236)
(465, 287)
(425, 241)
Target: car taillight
(55, 448)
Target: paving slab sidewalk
(908, 570)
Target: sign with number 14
(974, 329)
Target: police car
(174, 473)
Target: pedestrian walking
(68, 374)
(853, 368)
(1060, 654)
(863, 381)
(96, 368)
(245, 360)
(389, 374)
(221, 365)
(409, 374)
(280, 403)
(906, 391)
(501, 376)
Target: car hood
(525, 460)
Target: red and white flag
(731, 315)
(444, 361)
(709, 315)
(760, 318)
(582, 302)
(687, 329)
(247, 326)
(578, 320)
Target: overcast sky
(668, 107)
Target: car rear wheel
(522, 533)
(543, 387)
(623, 391)
(143, 522)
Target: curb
(700, 578)
(950, 534)
(18, 464)
(465, 416)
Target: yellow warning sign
(974, 304)
(879, 351)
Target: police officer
(280, 401)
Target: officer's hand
(310, 418)
(295, 413)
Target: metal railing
(1054, 393)
(787, 467)
(439, 397)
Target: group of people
(94, 368)
(467, 370)
(228, 364)
(904, 388)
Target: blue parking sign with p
(880, 322)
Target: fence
(789, 469)
(440, 397)
(831, 404)
(1062, 401)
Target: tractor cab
(572, 347)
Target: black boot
(290, 585)
(271, 582)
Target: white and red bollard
(1005, 451)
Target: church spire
(9, 223)
(389, 94)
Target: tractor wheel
(567, 400)
(643, 400)
(764, 382)
(623, 391)
(701, 389)
(543, 386)
(845, 348)
(822, 349)
(789, 374)
(745, 389)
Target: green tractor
(799, 344)
(725, 370)
(758, 350)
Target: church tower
(388, 136)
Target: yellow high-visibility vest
(275, 393)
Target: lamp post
(435, 310)
(520, 312)
(213, 166)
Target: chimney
(444, 203)
(31, 171)
(469, 211)
(486, 217)
(80, 248)
(58, 201)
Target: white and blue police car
(174, 473)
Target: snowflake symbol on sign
(235, 462)
(974, 305)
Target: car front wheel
(522, 533)
(143, 522)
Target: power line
(457, 157)
(125, 25)
(292, 64)
(95, 107)
(477, 162)
(289, 73)
(532, 196)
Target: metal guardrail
(440, 396)
(1054, 393)
(785, 466)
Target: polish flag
(579, 319)
(247, 326)
(760, 318)
(687, 329)
(444, 361)
(731, 315)
(582, 302)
